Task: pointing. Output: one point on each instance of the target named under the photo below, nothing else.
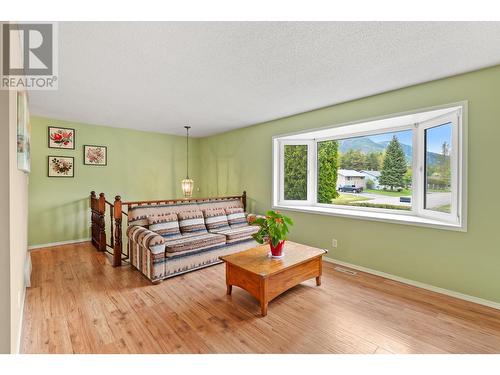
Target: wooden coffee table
(265, 278)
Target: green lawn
(346, 198)
(404, 192)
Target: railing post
(244, 200)
(117, 248)
(93, 223)
(102, 222)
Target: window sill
(375, 216)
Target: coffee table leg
(318, 280)
(229, 286)
(263, 308)
(263, 296)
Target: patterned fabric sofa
(171, 239)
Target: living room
(251, 187)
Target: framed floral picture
(95, 155)
(61, 166)
(23, 133)
(61, 138)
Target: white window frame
(418, 215)
(454, 215)
(311, 195)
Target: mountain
(366, 145)
(363, 144)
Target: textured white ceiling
(218, 76)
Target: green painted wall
(149, 166)
(464, 262)
(140, 166)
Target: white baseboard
(27, 284)
(418, 284)
(21, 321)
(32, 247)
(27, 270)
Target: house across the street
(373, 176)
(350, 177)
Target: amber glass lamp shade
(187, 187)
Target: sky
(435, 137)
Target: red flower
(57, 137)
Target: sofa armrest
(146, 238)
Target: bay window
(408, 168)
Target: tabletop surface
(258, 259)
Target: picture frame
(95, 155)
(61, 138)
(23, 133)
(60, 166)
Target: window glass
(438, 168)
(372, 171)
(365, 169)
(295, 172)
(328, 165)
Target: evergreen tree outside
(327, 171)
(353, 159)
(445, 167)
(295, 165)
(394, 166)
(408, 178)
(373, 161)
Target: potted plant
(273, 230)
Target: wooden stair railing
(98, 227)
(98, 211)
(98, 220)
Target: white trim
(364, 133)
(418, 284)
(20, 331)
(462, 103)
(456, 220)
(456, 183)
(33, 247)
(27, 283)
(384, 217)
(28, 268)
(311, 151)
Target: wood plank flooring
(78, 303)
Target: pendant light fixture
(187, 183)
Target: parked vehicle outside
(350, 189)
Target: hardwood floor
(78, 303)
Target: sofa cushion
(192, 243)
(215, 219)
(242, 233)
(139, 214)
(236, 217)
(192, 222)
(166, 226)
